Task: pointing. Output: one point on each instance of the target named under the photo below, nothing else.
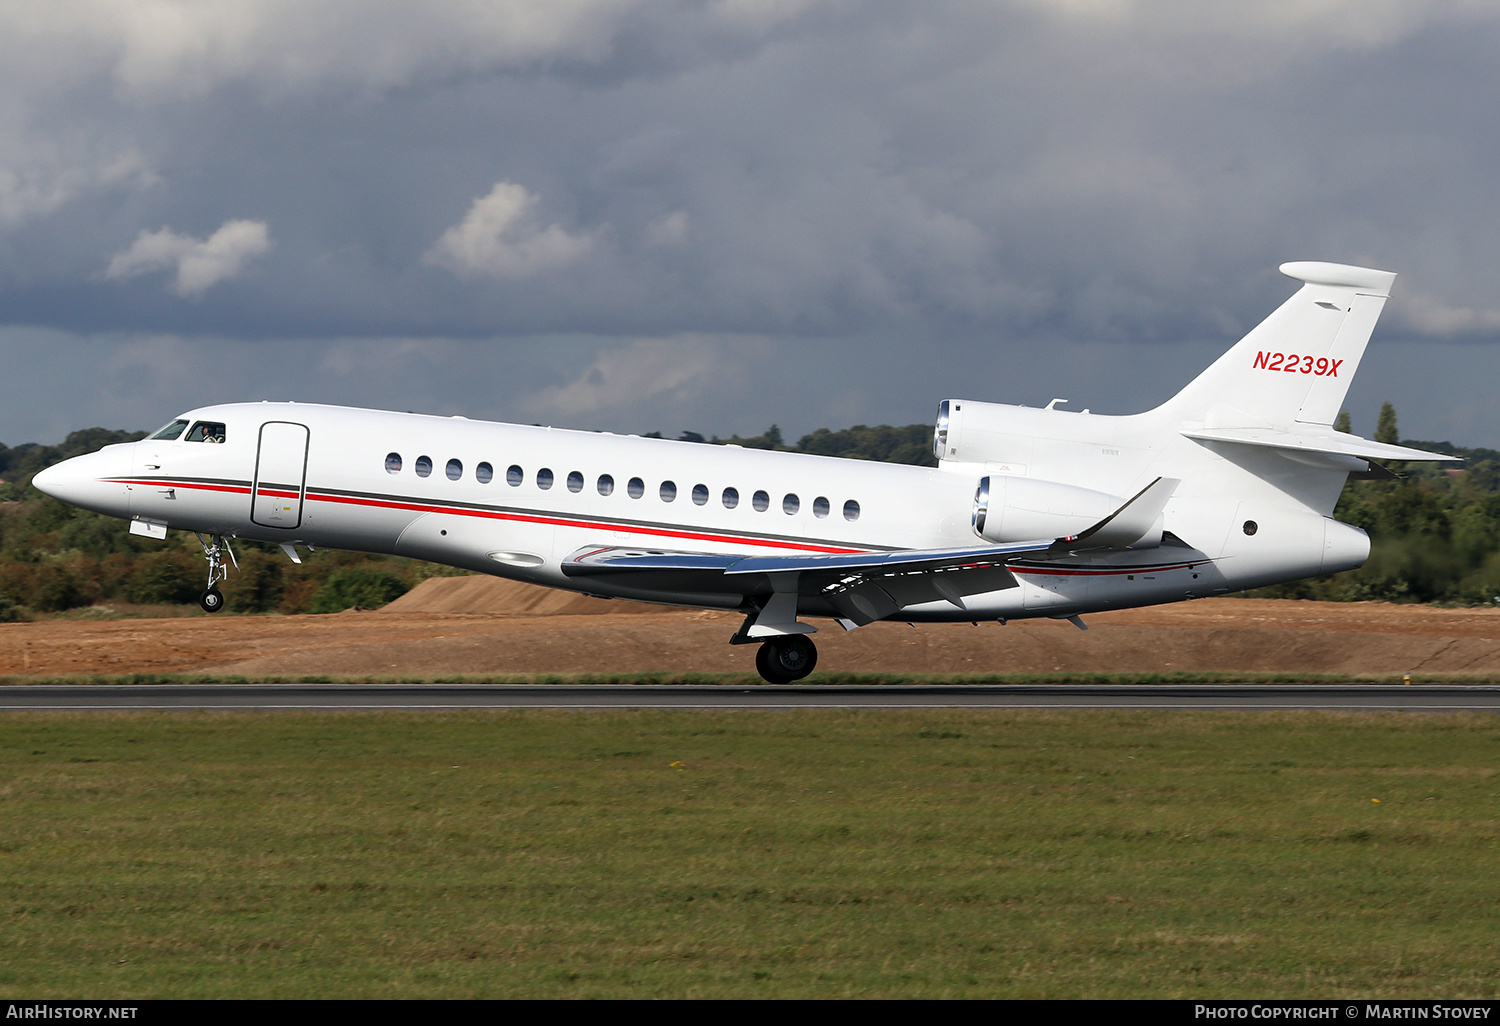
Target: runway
(270, 697)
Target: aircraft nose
(83, 481)
(48, 479)
(59, 480)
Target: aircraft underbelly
(506, 548)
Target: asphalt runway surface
(1351, 697)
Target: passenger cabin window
(606, 484)
(424, 466)
(761, 501)
(731, 498)
(635, 488)
(820, 507)
(851, 510)
(514, 476)
(455, 470)
(544, 479)
(668, 491)
(575, 482)
(205, 431)
(393, 463)
(171, 432)
(484, 473)
(790, 504)
(700, 495)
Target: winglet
(1136, 521)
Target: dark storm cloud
(868, 200)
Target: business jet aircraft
(1031, 512)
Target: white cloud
(662, 373)
(1431, 316)
(39, 177)
(163, 48)
(1331, 23)
(671, 230)
(500, 236)
(760, 15)
(200, 264)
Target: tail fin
(1296, 365)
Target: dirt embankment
(481, 625)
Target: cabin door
(280, 475)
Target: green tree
(256, 586)
(911, 444)
(362, 586)
(1476, 532)
(770, 440)
(166, 576)
(1385, 427)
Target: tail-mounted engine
(1009, 509)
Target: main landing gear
(214, 550)
(786, 658)
(786, 654)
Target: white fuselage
(360, 488)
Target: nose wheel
(785, 659)
(215, 548)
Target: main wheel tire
(763, 664)
(211, 600)
(785, 659)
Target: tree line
(1435, 536)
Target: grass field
(749, 854)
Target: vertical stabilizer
(1297, 364)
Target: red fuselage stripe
(484, 514)
(1035, 571)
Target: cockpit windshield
(171, 431)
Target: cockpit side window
(206, 431)
(171, 432)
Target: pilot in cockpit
(204, 431)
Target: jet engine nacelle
(1010, 509)
(974, 432)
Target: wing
(597, 561)
(858, 587)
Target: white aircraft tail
(1295, 366)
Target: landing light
(517, 558)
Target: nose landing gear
(214, 550)
(784, 659)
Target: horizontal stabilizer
(1333, 443)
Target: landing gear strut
(214, 550)
(784, 659)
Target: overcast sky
(712, 216)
